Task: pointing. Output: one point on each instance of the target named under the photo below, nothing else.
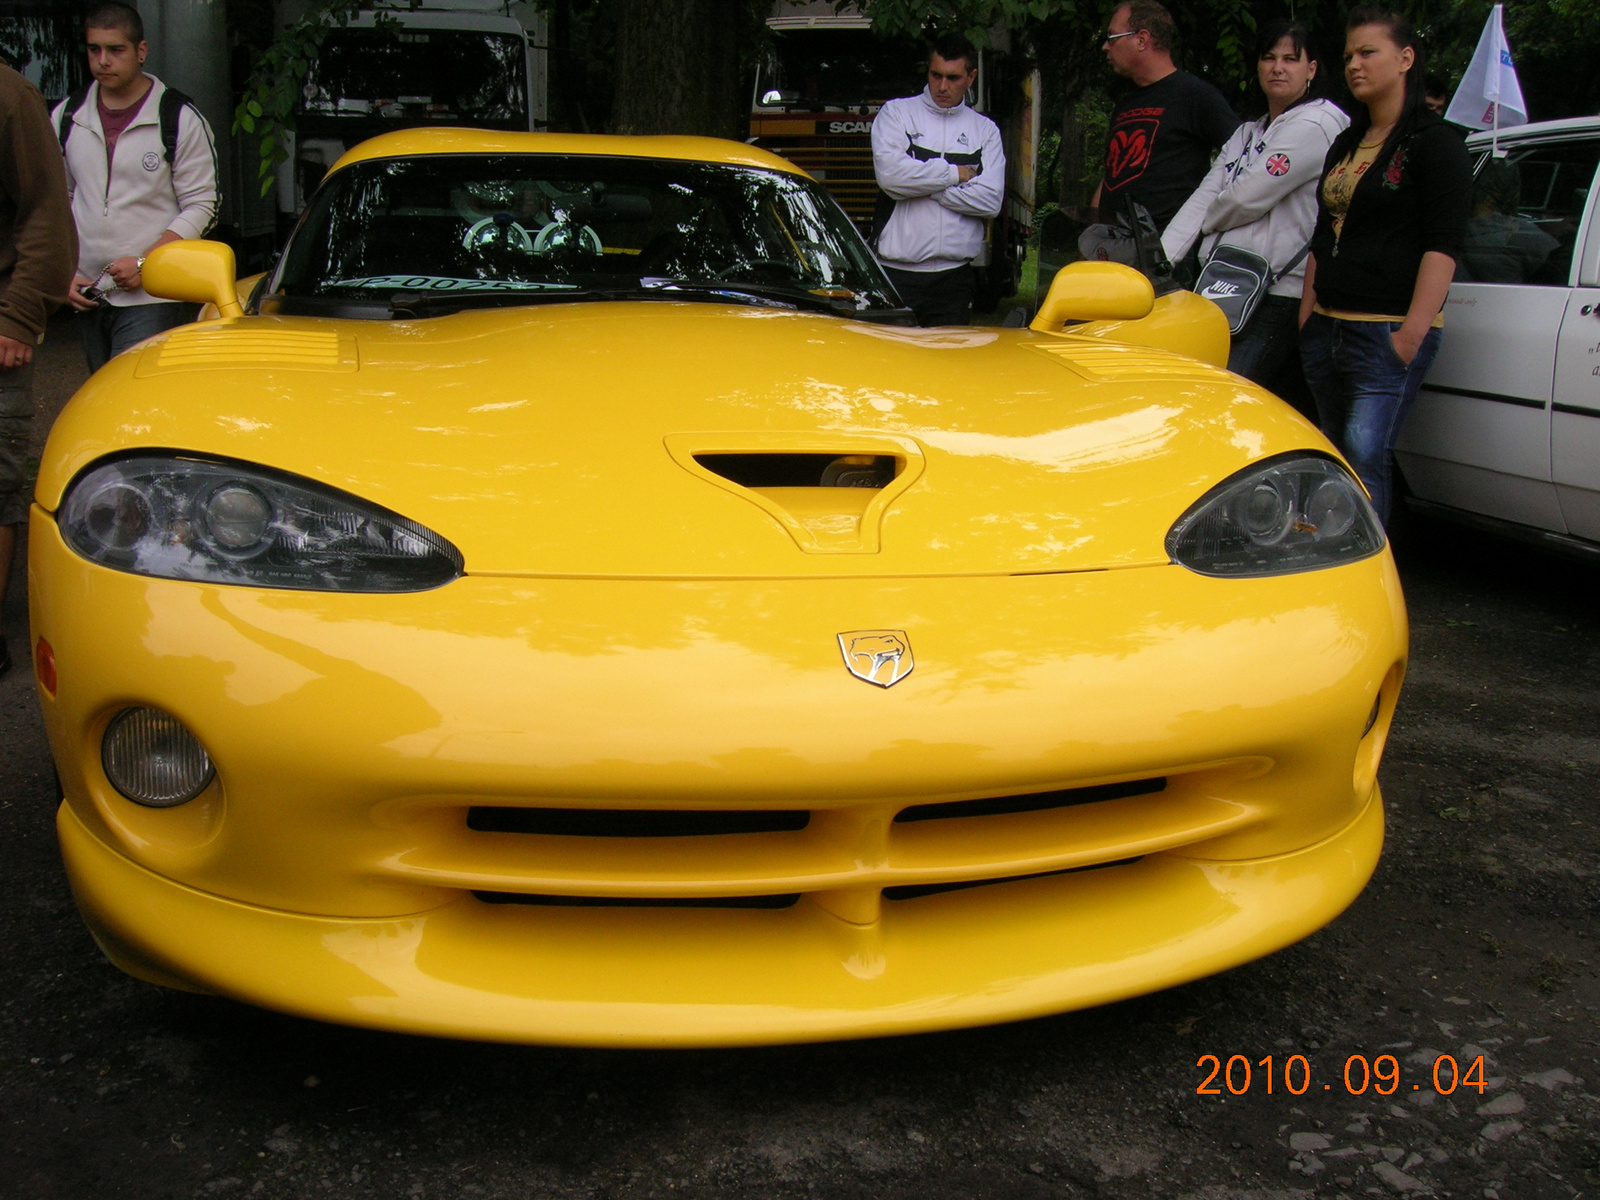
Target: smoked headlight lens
(153, 760)
(223, 522)
(1297, 512)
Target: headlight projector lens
(1293, 512)
(153, 760)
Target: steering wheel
(750, 264)
(563, 235)
(473, 239)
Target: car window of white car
(1527, 212)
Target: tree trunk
(678, 67)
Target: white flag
(1489, 84)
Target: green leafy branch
(267, 107)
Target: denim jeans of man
(108, 330)
(1363, 392)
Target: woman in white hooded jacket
(1261, 193)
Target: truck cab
(472, 63)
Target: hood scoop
(828, 491)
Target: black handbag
(1237, 281)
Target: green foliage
(975, 18)
(266, 109)
(1554, 45)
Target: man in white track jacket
(141, 171)
(943, 164)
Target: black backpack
(172, 102)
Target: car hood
(571, 439)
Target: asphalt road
(1477, 936)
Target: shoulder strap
(172, 102)
(70, 110)
(1293, 263)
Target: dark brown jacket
(38, 245)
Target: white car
(1506, 431)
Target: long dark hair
(1267, 38)
(1414, 107)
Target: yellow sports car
(564, 602)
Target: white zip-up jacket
(917, 150)
(1261, 193)
(143, 197)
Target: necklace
(1381, 134)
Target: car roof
(411, 143)
(1583, 127)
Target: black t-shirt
(1161, 142)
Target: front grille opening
(915, 891)
(803, 470)
(786, 900)
(634, 822)
(997, 806)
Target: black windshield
(527, 228)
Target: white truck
(474, 63)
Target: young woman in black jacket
(1392, 211)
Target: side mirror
(1094, 291)
(195, 271)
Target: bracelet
(138, 264)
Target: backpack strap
(172, 102)
(70, 110)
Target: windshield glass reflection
(524, 228)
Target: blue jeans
(1363, 392)
(109, 329)
(1259, 349)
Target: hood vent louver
(829, 491)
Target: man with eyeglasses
(1164, 133)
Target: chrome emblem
(880, 656)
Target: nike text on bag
(1236, 281)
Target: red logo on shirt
(1278, 164)
(1128, 151)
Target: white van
(1506, 431)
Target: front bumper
(339, 865)
(704, 977)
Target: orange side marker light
(44, 665)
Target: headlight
(223, 522)
(1297, 512)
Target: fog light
(153, 760)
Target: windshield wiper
(771, 295)
(435, 304)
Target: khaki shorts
(16, 428)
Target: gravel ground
(1475, 938)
